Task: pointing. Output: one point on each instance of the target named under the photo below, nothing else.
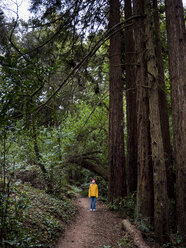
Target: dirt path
(92, 229)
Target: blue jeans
(92, 202)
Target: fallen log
(85, 163)
(134, 233)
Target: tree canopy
(96, 88)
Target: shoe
(94, 210)
(91, 210)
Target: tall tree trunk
(145, 174)
(117, 182)
(176, 35)
(159, 168)
(131, 103)
(163, 105)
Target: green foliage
(175, 241)
(113, 205)
(126, 242)
(128, 205)
(83, 132)
(75, 189)
(86, 130)
(84, 193)
(143, 224)
(125, 206)
(103, 188)
(13, 203)
(30, 209)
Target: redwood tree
(163, 104)
(152, 185)
(117, 184)
(145, 174)
(131, 101)
(159, 168)
(176, 36)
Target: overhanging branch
(98, 44)
(99, 170)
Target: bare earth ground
(92, 229)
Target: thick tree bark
(159, 168)
(176, 35)
(145, 206)
(131, 103)
(117, 181)
(163, 105)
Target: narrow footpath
(93, 229)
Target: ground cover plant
(32, 218)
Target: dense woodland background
(94, 89)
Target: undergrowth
(31, 218)
(125, 206)
(126, 242)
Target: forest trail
(92, 229)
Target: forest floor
(98, 229)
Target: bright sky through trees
(11, 6)
(14, 7)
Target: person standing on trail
(93, 194)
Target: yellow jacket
(93, 190)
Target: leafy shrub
(125, 242)
(34, 218)
(175, 241)
(128, 205)
(113, 205)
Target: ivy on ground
(34, 218)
